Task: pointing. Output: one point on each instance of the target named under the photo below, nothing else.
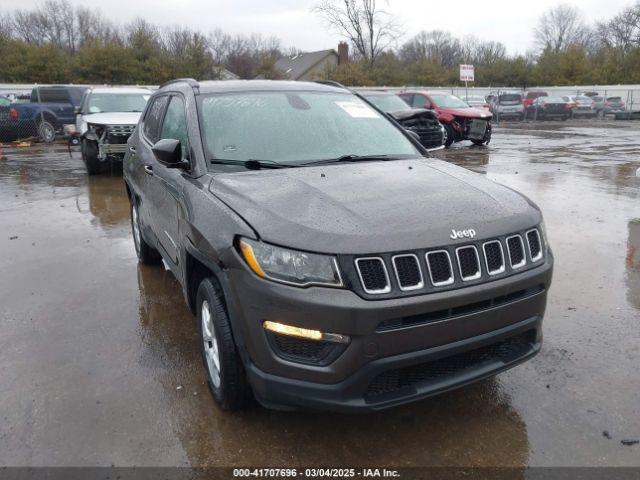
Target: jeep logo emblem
(458, 234)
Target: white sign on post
(466, 73)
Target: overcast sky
(509, 22)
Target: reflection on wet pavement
(100, 361)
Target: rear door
(142, 163)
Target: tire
(225, 373)
(450, 135)
(46, 131)
(147, 255)
(89, 151)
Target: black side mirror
(168, 152)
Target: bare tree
(560, 27)
(623, 30)
(436, 45)
(370, 29)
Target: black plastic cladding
(350, 274)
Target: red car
(460, 121)
(530, 95)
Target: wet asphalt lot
(99, 361)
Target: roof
(221, 86)
(296, 66)
(120, 90)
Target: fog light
(299, 332)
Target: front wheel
(89, 152)
(449, 137)
(225, 373)
(146, 254)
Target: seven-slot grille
(472, 262)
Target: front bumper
(111, 151)
(346, 382)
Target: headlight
(290, 266)
(543, 232)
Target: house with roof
(309, 66)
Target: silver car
(508, 105)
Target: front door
(166, 183)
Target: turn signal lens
(299, 332)
(250, 257)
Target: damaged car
(461, 121)
(423, 122)
(106, 119)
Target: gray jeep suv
(330, 263)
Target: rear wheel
(46, 131)
(225, 373)
(146, 254)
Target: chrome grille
(440, 270)
(373, 275)
(408, 272)
(516, 251)
(535, 245)
(468, 263)
(120, 129)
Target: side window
(175, 124)
(407, 97)
(153, 118)
(420, 101)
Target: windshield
(388, 103)
(583, 99)
(117, 102)
(296, 127)
(448, 101)
(554, 100)
(536, 94)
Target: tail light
(13, 114)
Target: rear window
(615, 99)
(50, 95)
(555, 100)
(511, 97)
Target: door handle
(132, 149)
(148, 169)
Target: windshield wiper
(353, 158)
(251, 164)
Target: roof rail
(189, 81)
(332, 83)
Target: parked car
(419, 120)
(461, 121)
(49, 109)
(581, 106)
(330, 263)
(476, 101)
(545, 108)
(507, 105)
(106, 118)
(530, 95)
(608, 106)
(4, 101)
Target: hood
(372, 207)
(414, 112)
(112, 118)
(469, 112)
